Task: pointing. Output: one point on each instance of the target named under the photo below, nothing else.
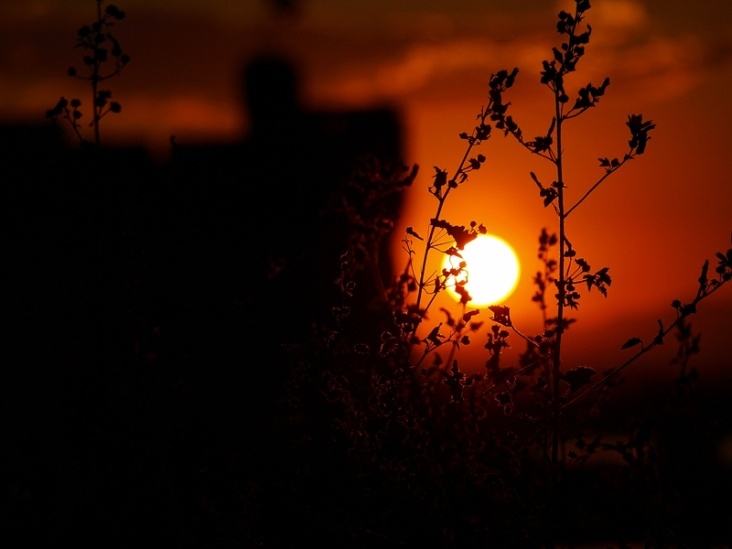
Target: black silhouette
(170, 379)
(150, 307)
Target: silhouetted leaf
(658, 340)
(459, 233)
(639, 132)
(115, 12)
(688, 309)
(440, 178)
(703, 279)
(501, 314)
(465, 297)
(578, 377)
(434, 336)
(412, 232)
(470, 314)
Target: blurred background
(402, 77)
(654, 223)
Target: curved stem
(597, 184)
(431, 234)
(657, 341)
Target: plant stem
(433, 228)
(95, 82)
(561, 283)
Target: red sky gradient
(653, 223)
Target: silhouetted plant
(411, 449)
(501, 438)
(101, 50)
(572, 272)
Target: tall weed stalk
(103, 59)
(513, 432)
(435, 456)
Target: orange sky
(653, 223)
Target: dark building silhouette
(261, 234)
(150, 308)
(279, 191)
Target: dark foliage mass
(215, 352)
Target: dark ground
(144, 370)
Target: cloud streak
(183, 66)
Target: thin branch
(658, 340)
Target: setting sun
(492, 270)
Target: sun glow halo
(492, 270)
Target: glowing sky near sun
(395, 51)
(654, 223)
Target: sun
(492, 270)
